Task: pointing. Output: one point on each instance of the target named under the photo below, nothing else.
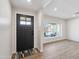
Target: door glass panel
(22, 22)
(25, 20)
(28, 19)
(22, 18)
(28, 23)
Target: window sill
(50, 37)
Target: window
(52, 30)
(25, 21)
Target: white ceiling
(33, 5)
(65, 8)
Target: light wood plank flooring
(65, 49)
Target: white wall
(25, 12)
(50, 19)
(73, 29)
(5, 29)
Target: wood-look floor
(59, 50)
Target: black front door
(25, 32)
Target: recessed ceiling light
(55, 9)
(28, 0)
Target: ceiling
(57, 8)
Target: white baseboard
(73, 40)
(41, 50)
(13, 52)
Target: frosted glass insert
(22, 18)
(28, 23)
(28, 19)
(22, 22)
